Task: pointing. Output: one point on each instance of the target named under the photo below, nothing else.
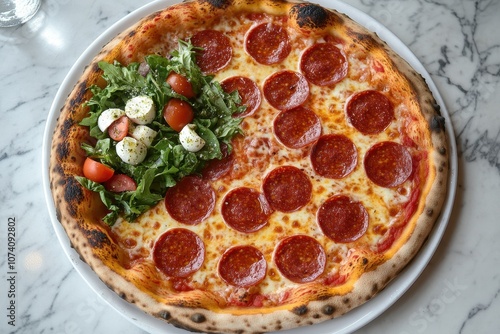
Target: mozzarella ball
(140, 109)
(190, 140)
(107, 117)
(131, 151)
(144, 134)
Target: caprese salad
(153, 123)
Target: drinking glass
(15, 12)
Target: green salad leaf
(167, 160)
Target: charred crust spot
(95, 69)
(123, 295)
(324, 297)
(437, 108)
(311, 16)
(300, 310)
(96, 238)
(360, 38)
(66, 127)
(80, 92)
(374, 288)
(437, 123)
(346, 300)
(328, 309)
(219, 4)
(316, 316)
(365, 261)
(442, 150)
(198, 318)
(73, 194)
(131, 33)
(62, 150)
(164, 315)
(58, 169)
(278, 326)
(430, 212)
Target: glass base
(16, 12)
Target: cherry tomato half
(96, 171)
(120, 183)
(119, 128)
(180, 84)
(177, 114)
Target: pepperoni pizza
(327, 189)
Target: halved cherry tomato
(119, 128)
(120, 183)
(177, 114)
(180, 84)
(96, 171)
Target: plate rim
(351, 321)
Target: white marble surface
(458, 43)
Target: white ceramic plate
(347, 323)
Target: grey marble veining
(458, 43)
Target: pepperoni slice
(245, 210)
(179, 253)
(286, 90)
(342, 219)
(190, 201)
(217, 50)
(242, 266)
(300, 258)
(370, 112)
(287, 189)
(334, 156)
(324, 64)
(268, 43)
(217, 168)
(388, 164)
(248, 91)
(297, 127)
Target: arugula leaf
(166, 161)
(129, 203)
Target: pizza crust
(79, 210)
